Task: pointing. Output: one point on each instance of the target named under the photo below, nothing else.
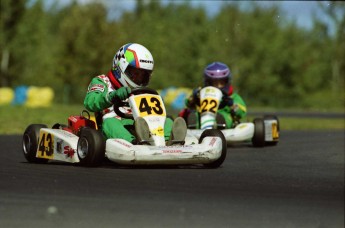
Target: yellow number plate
(150, 105)
(275, 132)
(45, 146)
(209, 105)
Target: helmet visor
(219, 83)
(141, 77)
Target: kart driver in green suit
(232, 108)
(132, 68)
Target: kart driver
(132, 67)
(232, 107)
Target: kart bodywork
(81, 142)
(261, 132)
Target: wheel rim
(83, 148)
(26, 143)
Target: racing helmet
(217, 74)
(133, 65)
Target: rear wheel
(215, 133)
(30, 143)
(258, 139)
(91, 147)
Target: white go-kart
(81, 142)
(261, 132)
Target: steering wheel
(142, 90)
(136, 91)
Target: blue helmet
(217, 74)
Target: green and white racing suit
(235, 111)
(113, 126)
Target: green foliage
(10, 18)
(176, 38)
(82, 30)
(274, 62)
(34, 53)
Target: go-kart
(82, 142)
(261, 132)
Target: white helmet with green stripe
(133, 65)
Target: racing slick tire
(258, 139)
(30, 143)
(91, 147)
(215, 133)
(273, 117)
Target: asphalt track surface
(298, 183)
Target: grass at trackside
(14, 119)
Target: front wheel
(215, 133)
(30, 143)
(91, 147)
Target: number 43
(152, 105)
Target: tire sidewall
(96, 147)
(258, 139)
(30, 143)
(215, 133)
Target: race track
(299, 183)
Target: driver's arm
(96, 96)
(239, 107)
(193, 100)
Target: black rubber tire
(258, 139)
(91, 147)
(216, 133)
(273, 117)
(30, 143)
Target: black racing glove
(194, 99)
(226, 102)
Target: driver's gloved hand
(226, 102)
(121, 93)
(194, 99)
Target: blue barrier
(175, 97)
(20, 95)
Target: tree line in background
(273, 61)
